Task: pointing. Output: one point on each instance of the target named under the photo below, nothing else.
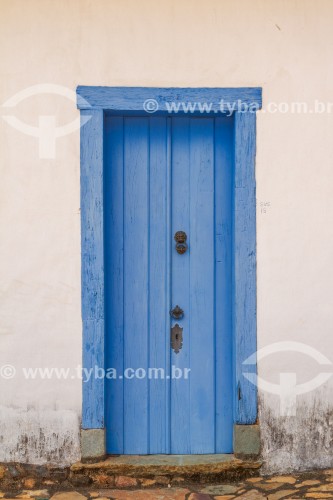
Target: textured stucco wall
(283, 46)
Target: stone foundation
(131, 472)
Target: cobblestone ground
(310, 485)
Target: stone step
(132, 470)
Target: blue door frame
(93, 103)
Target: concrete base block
(246, 440)
(92, 443)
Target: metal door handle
(177, 313)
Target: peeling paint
(300, 442)
(29, 436)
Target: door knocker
(180, 239)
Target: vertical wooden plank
(202, 286)
(159, 305)
(92, 268)
(245, 264)
(180, 278)
(114, 282)
(136, 278)
(224, 157)
(168, 284)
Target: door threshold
(167, 469)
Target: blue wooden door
(164, 175)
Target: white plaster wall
(283, 46)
